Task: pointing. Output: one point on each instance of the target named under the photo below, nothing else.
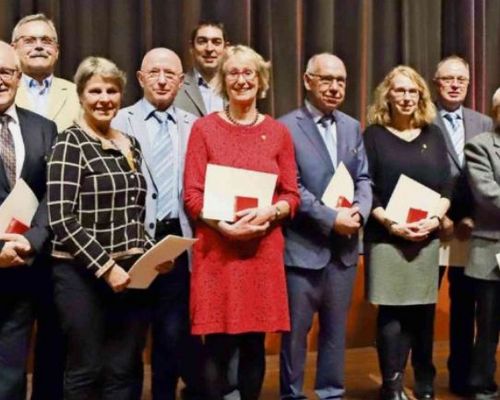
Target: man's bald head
(160, 77)
(9, 75)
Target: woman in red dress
(238, 288)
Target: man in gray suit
(163, 131)
(321, 250)
(197, 95)
(458, 125)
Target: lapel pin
(424, 147)
(263, 136)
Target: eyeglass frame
(11, 73)
(327, 80)
(449, 80)
(45, 40)
(400, 93)
(234, 75)
(169, 75)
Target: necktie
(163, 167)
(457, 135)
(7, 150)
(327, 123)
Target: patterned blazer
(96, 200)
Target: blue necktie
(457, 135)
(327, 123)
(163, 167)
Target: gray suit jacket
(189, 97)
(310, 239)
(131, 120)
(474, 123)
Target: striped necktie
(163, 167)
(7, 150)
(327, 122)
(457, 134)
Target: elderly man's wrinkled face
(160, 77)
(207, 49)
(37, 49)
(452, 81)
(9, 76)
(326, 83)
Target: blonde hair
(98, 66)
(32, 18)
(379, 111)
(495, 110)
(262, 68)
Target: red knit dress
(238, 286)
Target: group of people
(114, 181)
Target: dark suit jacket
(474, 123)
(39, 135)
(310, 239)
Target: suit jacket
(63, 103)
(38, 135)
(474, 123)
(310, 239)
(132, 120)
(189, 97)
(483, 169)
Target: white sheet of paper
(143, 272)
(498, 259)
(21, 204)
(454, 252)
(407, 194)
(341, 184)
(223, 184)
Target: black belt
(167, 222)
(167, 226)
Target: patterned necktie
(457, 135)
(327, 122)
(163, 167)
(7, 150)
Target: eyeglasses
(7, 74)
(399, 93)
(327, 80)
(155, 75)
(449, 80)
(247, 74)
(32, 41)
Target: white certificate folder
(228, 190)
(18, 209)
(340, 190)
(143, 272)
(411, 201)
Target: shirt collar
(316, 114)
(33, 83)
(200, 80)
(12, 113)
(149, 109)
(459, 112)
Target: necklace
(237, 123)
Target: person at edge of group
(26, 143)
(238, 287)
(322, 245)
(36, 43)
(162, 130)
(401, 272)
(198, 94)
(458, 125)
(483, 165)
(96, 200)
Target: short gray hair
(32, 18)
(98, 66)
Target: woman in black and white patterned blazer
(96, 199)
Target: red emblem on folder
(343, 202)
(16, 226)
(242, 203)
(415, 214)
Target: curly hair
(379, 112)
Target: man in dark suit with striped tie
(25, 143)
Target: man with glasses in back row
(458, 125)
(35, 40)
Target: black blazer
(38, 134)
